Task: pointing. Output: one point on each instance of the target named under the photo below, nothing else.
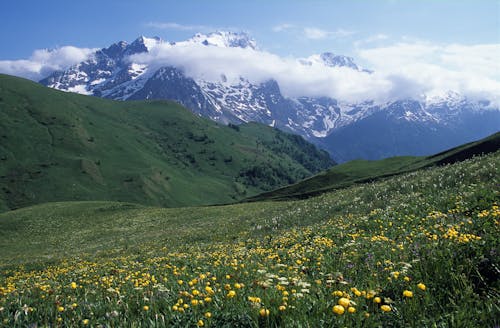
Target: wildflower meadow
(414, 250)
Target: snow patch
(97, 81)
(151, 43)
(80, 88)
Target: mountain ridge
(363, 171)
(332, 124)
(64, 146)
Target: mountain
(347, 130)
(362, 171)
(411, 128)
(57, 146)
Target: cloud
(376, 38)
(410, 68)
(43, 62)
(295, 79)
(401, 70)
(283, 27)
(315, 33)
(342, 33)
(176, 26)
(472, 70)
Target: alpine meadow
(252, 164)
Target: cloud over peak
(43, 62)
(405, 69)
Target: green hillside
(57, 146)
(361, 171)
(414, 250)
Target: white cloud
(283, 27)
(294, 78)
(400, 71)
(176, 26)
(43, 62)
(372, 39)
(315, 33)
(342, 33)
(472, 70)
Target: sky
(454, 43)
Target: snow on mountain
(111, 73)
(331, 60)
(223, 39)
(108, 73)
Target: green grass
(437, 226)
(416, 238)
(362, 171)
(57, 146)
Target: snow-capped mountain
(336, 125)
(108, 73)
(223, 39)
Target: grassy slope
(360, 171)
(55, 230)
(56, 146)
(437, 226)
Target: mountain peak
(449, 98)
(116, 49)
(143, 44)
(333, 60)
(148, 43)
(225, 39)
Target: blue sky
(415, 48)
(306, 26)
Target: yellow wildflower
(338, 309)
(407, 293)
(385, 308)
(338, 293)
(344, 302)
(264, 312)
